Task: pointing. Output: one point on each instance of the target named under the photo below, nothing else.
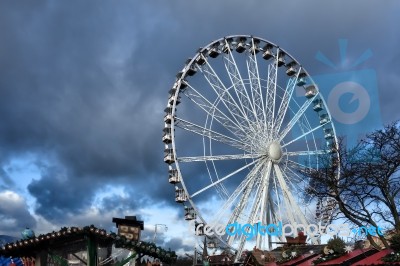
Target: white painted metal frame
(256, 112)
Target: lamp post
(155, 230)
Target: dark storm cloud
(56, 195)
(14, 215)
(83, 84)
(118, 203)
(133, 198)
(176, 244)
(72, 86)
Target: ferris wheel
(243, 117)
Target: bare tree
(364, 181)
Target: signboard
(129, 232)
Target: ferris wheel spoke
(286, 201)
(241, 206)
(273, 211)
(289, 199)
(210, 134)
(305, 126)
(264, 200)
(255, 206)
(242, 238)
(220, 188)
(270, 96)
(227, 99)
(256, 201)
(255, 85)
(238, 85)
(244, 200)
(297, 166)
(278, 200)
(295, 179)
(235, 127)
(303, 135)
(250, 177)
(297, 116)
(306, 153)
(275, 216)
(224, 178)
(285, 101)
(255, 189)
(217, 158)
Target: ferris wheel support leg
(264, 202)
(289, 197)
(254, 210)
(269, 221)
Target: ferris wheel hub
(275, 151)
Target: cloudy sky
(83, 86)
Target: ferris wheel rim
(181, 79)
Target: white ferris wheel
(243, 116)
